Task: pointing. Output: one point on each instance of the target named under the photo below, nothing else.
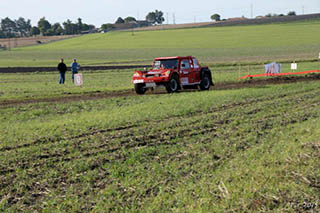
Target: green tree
(215, 17)
(70, 28)
(292, 13)
(80, 24)
(23, 26)
(34, 31)
(56, 29)
(129, 19)
(88, 27)
(119, 21)
(107, 27)
(269, 15)
(9, 27)
(44, 26)
(155, 17)
(2, 35)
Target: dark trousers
(73, 72)
(62, 77)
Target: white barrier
(78, 79)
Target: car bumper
(151, 82)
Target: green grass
(243, 150)
(249, 149)
(225, 44)
(45, 85)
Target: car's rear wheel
(205, 82)
(140, 89)
(172, 85)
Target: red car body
(174, 73)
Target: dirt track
(54, 69)
(126, 93)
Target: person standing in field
(62, 67)
(74, 68)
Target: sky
(98, 12)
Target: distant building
(143, 23)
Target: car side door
(186, 72)
(196, 70)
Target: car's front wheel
(205, 82)
(140, 89)
(172, 85)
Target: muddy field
(181, 159)
(254, 83)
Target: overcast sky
(98, 12)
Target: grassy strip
(28, 86)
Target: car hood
(155, 72)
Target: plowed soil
(125, 93)
(28, 41)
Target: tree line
(155, 17)
(217, 17)
(23, 28)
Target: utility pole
(195, 19)
(167, 18)
(251, 10)
(302, 10)
(174, 18)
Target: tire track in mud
(128, 139)
(221, 108)
(108, 148)
(130, 92)
(99, 131)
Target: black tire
(205, 82)
(140, 89)
(172, 85)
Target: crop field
(245, 149)
(242, 146)
(262, 43)
(249, 145)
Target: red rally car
(174, 73)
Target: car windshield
(165, 64)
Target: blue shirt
(75, 67)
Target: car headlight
(167, 73)
(136, 74)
